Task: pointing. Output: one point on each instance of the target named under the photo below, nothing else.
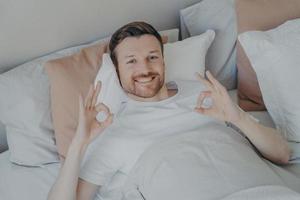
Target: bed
(35, 182)
(31, 31)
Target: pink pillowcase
(70, 76)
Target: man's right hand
(89, 127)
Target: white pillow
(184, 58)
(25, 108)
(275, 57)
(179, 65)
(25, 111)
(219, 16)
(111, 94)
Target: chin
(145, 94)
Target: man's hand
(222, 107)
(89, 127)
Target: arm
(67, 182)
(267, 140)
(68, 186)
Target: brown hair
(133, 29)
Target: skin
(141, 71)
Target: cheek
(124, 75)
(160, 67)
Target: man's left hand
(222, 107)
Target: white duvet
(212, 163)
(269, 192)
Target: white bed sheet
(33, 183)
(26, 183)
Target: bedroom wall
(33, 28)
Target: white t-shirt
(138, 125)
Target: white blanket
(268, 192)
(211, 163)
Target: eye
(132, 61)
(153, 57)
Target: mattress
(27, 183)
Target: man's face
(141, 66)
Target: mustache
(144, 75)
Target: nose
(144, 67)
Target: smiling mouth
(144, 80)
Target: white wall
(32, 28)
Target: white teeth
(144, 79)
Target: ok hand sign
(88, 126)
(222, 108)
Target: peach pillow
(70, 76)
(258, 15)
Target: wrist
(240, 120)
(78, 145)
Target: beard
(145, 85)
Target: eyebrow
(153, 51)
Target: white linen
(25, 111)
(269, 192)
(275, 57)
(39, 180)
(184, 58)
(112, 94)
(211, 162)
(139, 124)
(220, 17)
(27, 183)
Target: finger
(102, 107)
(88, 99)
(215, 82)
(96, 93)
(204, 81)
(81, 106)
(108, 120)
(205, 111)
(201, 98)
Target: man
(153, 112)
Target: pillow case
(275, 57)
(184, 58)
(258, 15)
(25, 112)
(111, 94)
(219, 16)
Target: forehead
(137, 45)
